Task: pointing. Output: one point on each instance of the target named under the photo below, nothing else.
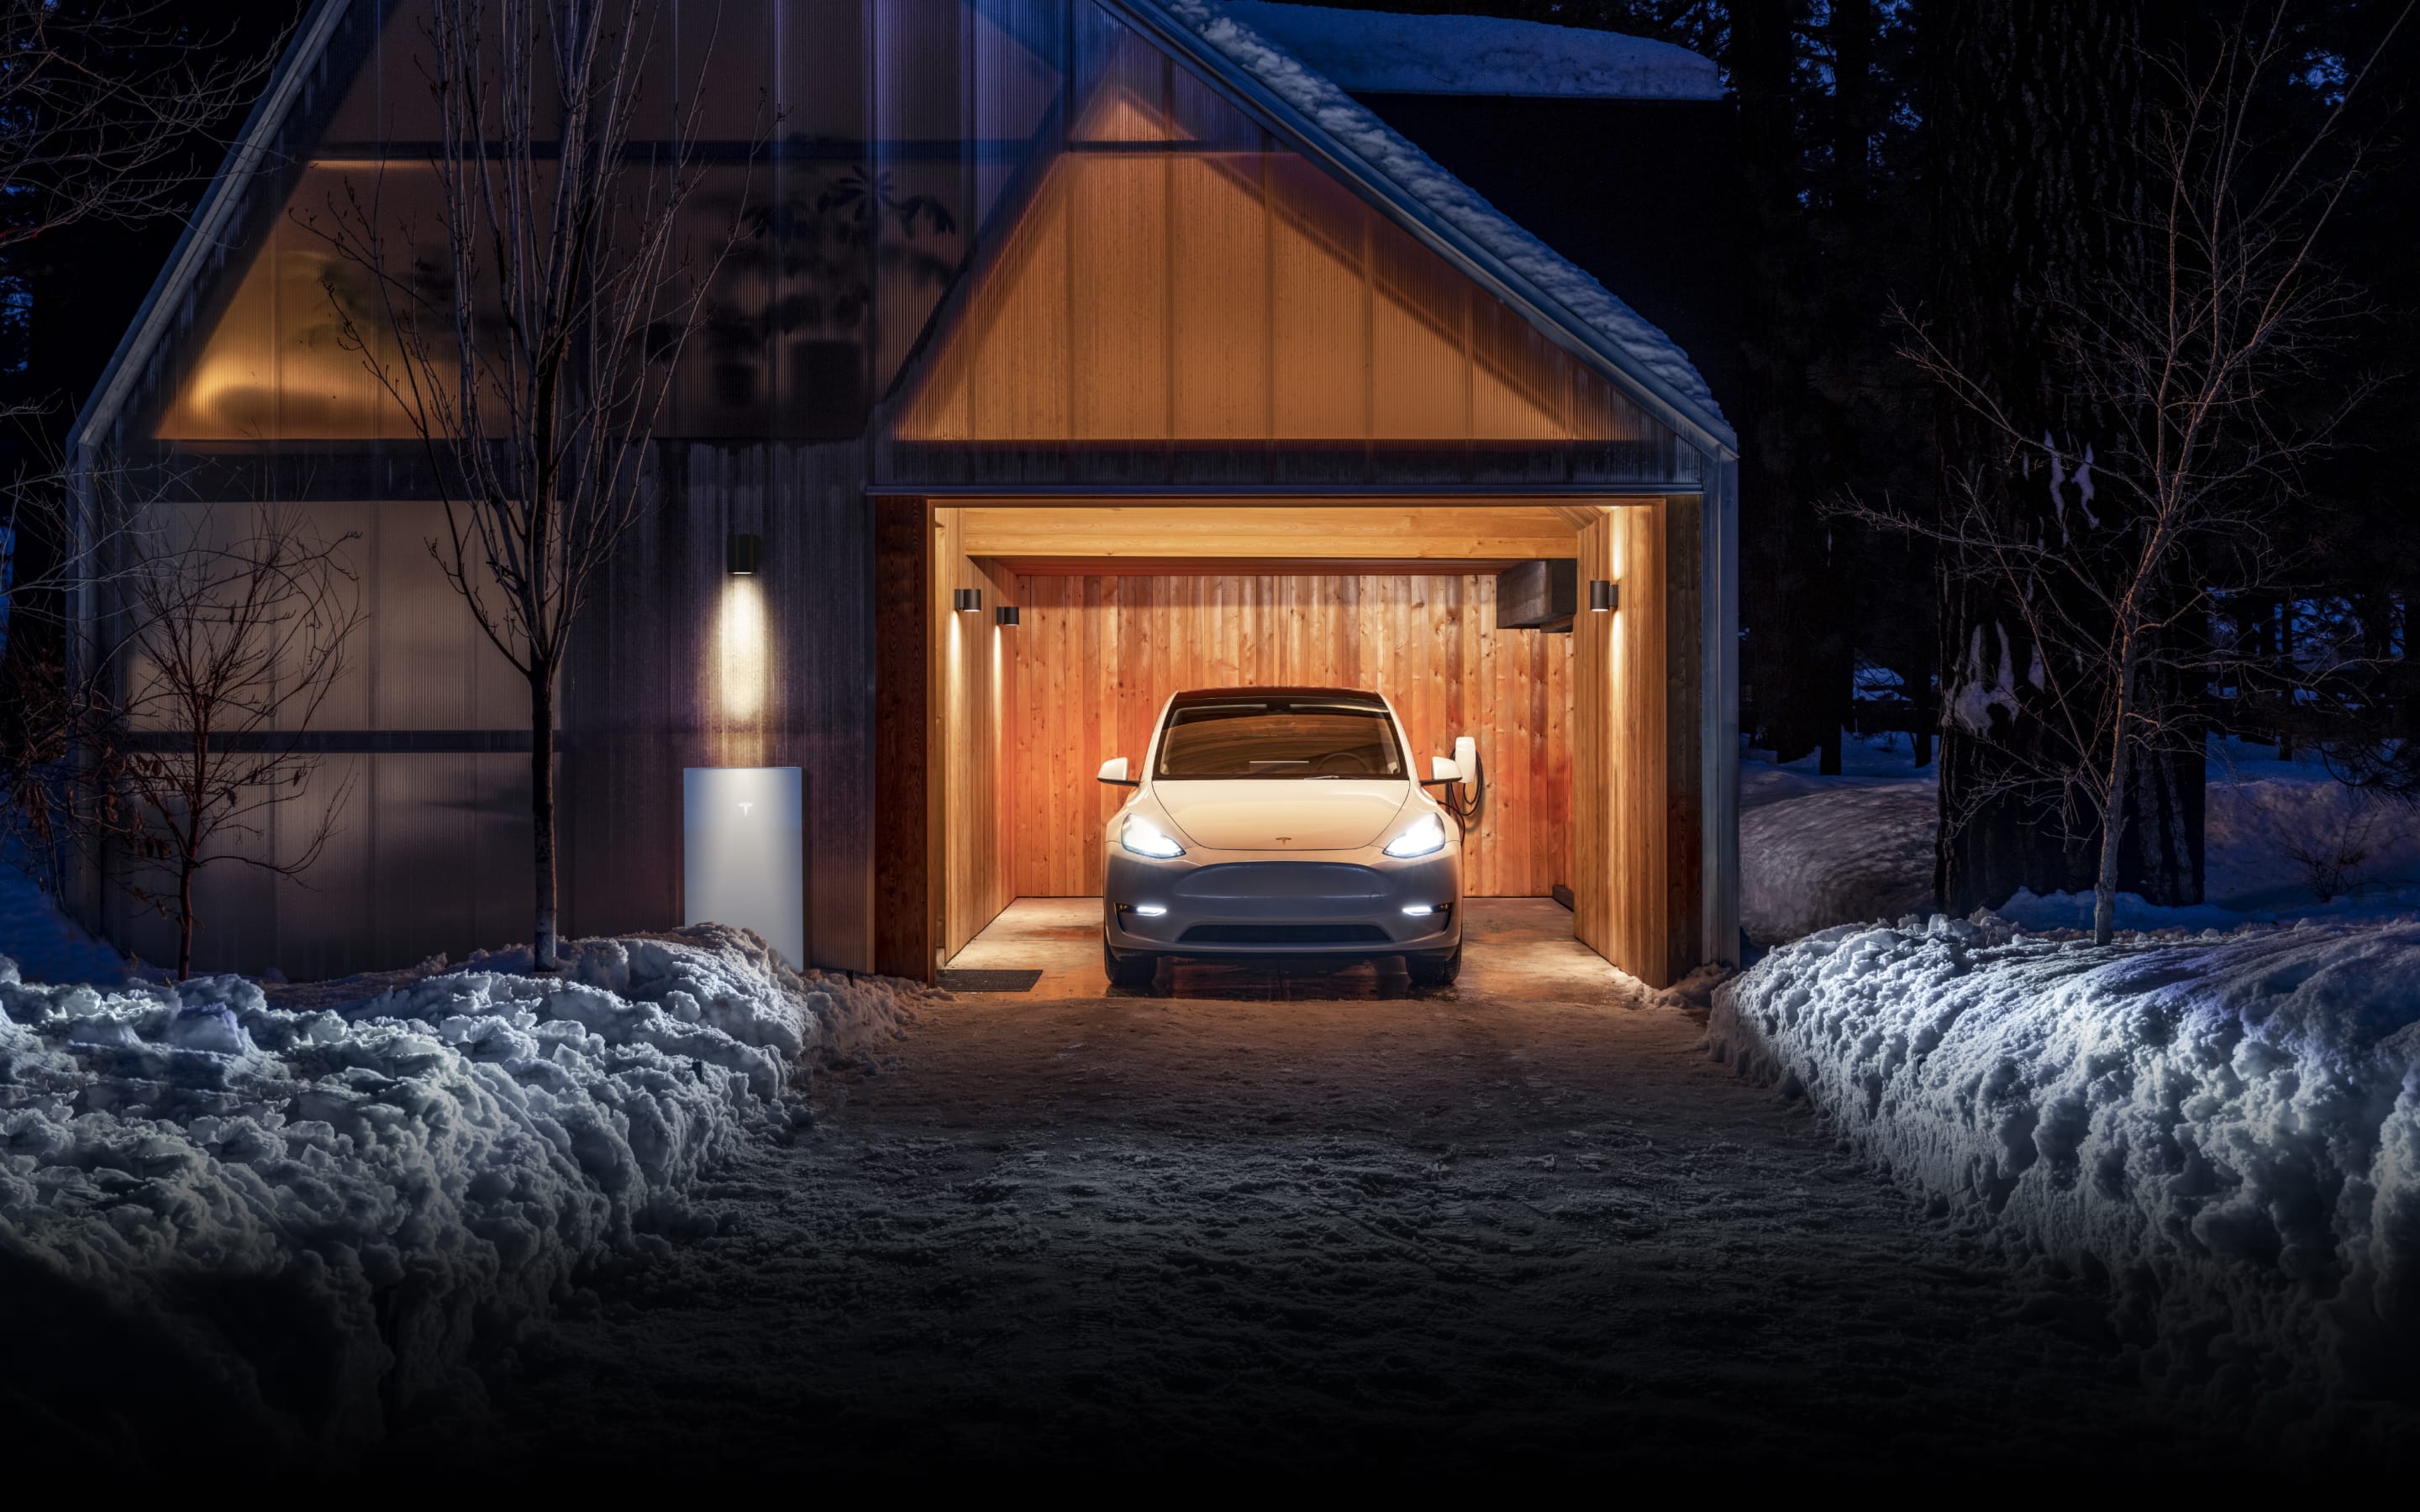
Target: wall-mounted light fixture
(1604, 597)
(740, 554)
(967, 600)
(1006, 615)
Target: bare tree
(101, 106)
(2175, 507)
(233, 641)
(98, 108)
(534, 349)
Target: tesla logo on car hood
(1285, 839)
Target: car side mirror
(1114, 772)
(1442, 770)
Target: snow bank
(1380, 50)
(2224, 1130)
(2284, 839)
(1396, 159)
(375, 1194)
(44, 942)
(1836, 855)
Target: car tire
(1437, 970)
(1134, 969)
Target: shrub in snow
(384, 1187)
(2226, 1129)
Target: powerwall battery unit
(743, 853)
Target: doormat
(989, 981)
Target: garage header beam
(1464, 535)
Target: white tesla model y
(1281, 822)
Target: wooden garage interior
(1587, 739)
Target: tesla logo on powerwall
(744, 808)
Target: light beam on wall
(745, 667)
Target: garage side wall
(1636, 843)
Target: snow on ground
(2285, 841)
(1400, 162)
(47, 945)
(324, 1215)
(2222, 1132)
(1380, 50)
(1817, 851)
(1522, 1224)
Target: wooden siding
(1634, 746)
(973, 672)
(1097, 656)
(1092, 540)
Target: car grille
(1284, 934)
(1264, 881)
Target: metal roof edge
(1475, 261)
(143, 336)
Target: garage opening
(1052, 634)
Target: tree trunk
(185, 921)
(2112, 810)
(2034, 110)
(541, 682)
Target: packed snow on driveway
(1469, 1227)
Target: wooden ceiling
(1279, 538)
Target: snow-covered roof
(1632, 343)
(1383, 51)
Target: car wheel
(1433, 970)
(1135, 969)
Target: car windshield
(1279, 738)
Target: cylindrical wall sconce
(1604, 597)
(740, 554)
(967, 600)
(1006, 614)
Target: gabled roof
(1384, 51)
(214, 222)
(1306, 110)
(1321, 119)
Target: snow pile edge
(2223, 1132)
(326, 1217)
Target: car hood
(1260, 814)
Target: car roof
(1325, 695)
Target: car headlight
(1425, 837)
(1144, 838)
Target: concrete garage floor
(1510, 945)
(1518, 1221)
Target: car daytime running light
(1144, 838)
(1151, 910)
(1425, 836)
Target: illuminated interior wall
(1097, 656)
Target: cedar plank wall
(973, 661)
(1635, 832)
(905, 833)
(1097, 656)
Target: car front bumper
(1260, 903)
